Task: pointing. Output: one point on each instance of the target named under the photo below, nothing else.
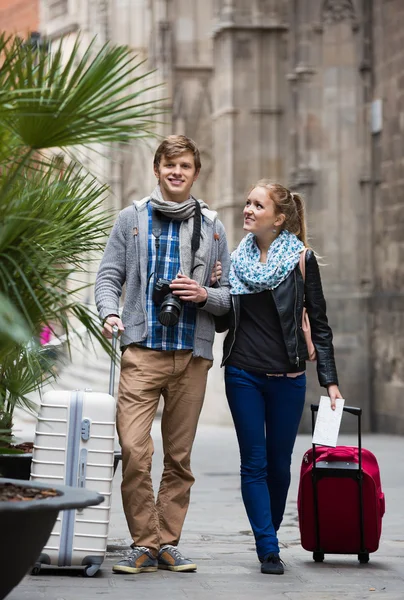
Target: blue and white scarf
(249, 276)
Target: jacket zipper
(215, 251)
(295, 311)
(135, 230)
(235, 329)
(236, 324)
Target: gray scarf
(184, 212)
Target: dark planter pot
(15, 466)
(18, 466)
(26, 526)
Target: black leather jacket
(288, 298)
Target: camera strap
(195, 240)
(156, 230)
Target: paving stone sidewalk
(217, 536)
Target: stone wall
(388, 219)
(327, 159)
(285, 89)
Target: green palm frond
(52, 224)
(24, 372)
(13, 329)
(98, 97)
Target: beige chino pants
(181, 379)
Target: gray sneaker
(171, 559)
(138, 560)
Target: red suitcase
(340, 500)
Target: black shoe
(272, 565)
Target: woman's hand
(333, 393)
(216, 272)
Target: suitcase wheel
(363, 557)
(91, 570)
(318, 556)
(36, 569)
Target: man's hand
(188, 289)
(216, 272)
(109, 323)
(333, 393)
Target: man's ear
(156, 171)
(196, 174)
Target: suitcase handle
(112, 367)
(354, 410)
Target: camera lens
(170, 311)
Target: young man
(164, 248)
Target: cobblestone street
(217, 537)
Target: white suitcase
(74, 445)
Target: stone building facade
(387, 213)
(306, 92)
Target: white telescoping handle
(112, 368)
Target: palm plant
(52, 218)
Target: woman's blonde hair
(290, 204)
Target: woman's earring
(274, 230)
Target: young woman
(265, 353)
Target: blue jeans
(266, 413)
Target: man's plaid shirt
(181, 336)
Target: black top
(289, 297)
(259, 345)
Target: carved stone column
(301, 175)
(248, 91)
(328, 167)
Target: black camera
(170, 305)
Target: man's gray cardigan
(125, 261)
